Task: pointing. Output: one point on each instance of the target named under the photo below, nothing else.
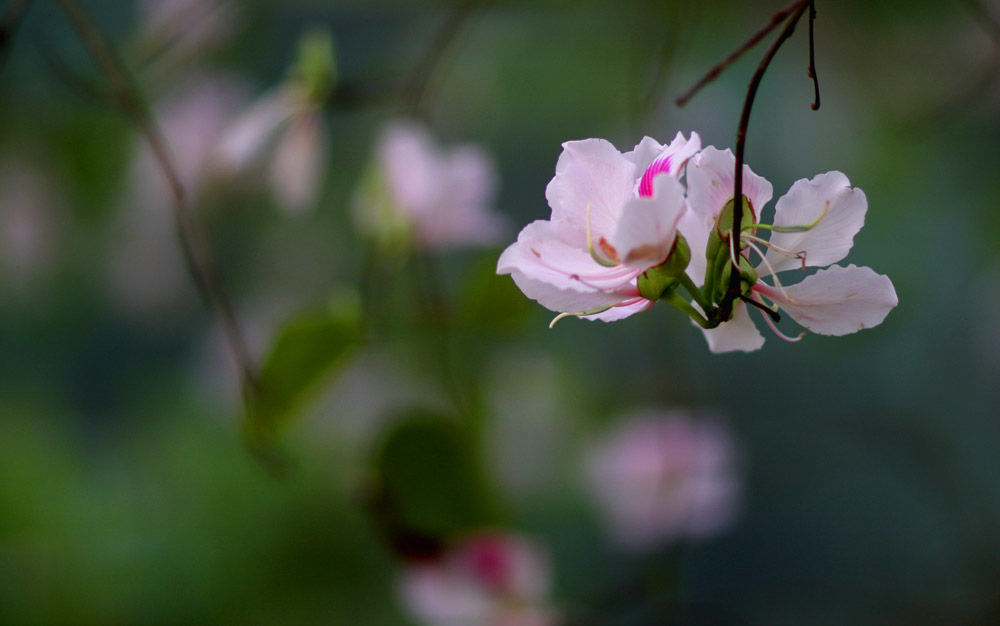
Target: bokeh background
(871, 484)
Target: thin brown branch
(714, 73)
(196, 254)
(734, 291)
(812, 54)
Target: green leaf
(306, 352)
(429, 483)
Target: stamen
(580, 314)
(792, 254)
(604, 246)
(775, 328)
(763, 258)
(793, 229)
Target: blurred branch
(413, 91)
(989, 22)
(196, 254)
(714, 73)
(9, 23)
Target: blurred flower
(814, 225)
(28, 206)
(614, 216)
(284, 130)
(438, 199)
(486, 580)
(661, 477)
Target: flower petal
(621, 311)
(299, 163)
(837, 300)
(710, 184)
(560, 277)
(739, 333)
(591, 175)
(832, 237)
(670, 159)
(647, 229)
(696, 231)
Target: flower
(489, 579)
(284, 131)
(625, 233)
(814, 226)
(664, 476)
(614, 216)
(438, 199)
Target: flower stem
(686, 307)
(692, 289)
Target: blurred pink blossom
(282, 132)
(486, 580)
(439, 197)
(662, 477)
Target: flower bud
(661, 280)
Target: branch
(196, 254)
(9, 23)
(734, 292)
(713, 73)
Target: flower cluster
(625, 232)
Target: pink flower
(486, 580)
(614, 216)
(284, 134)
(662, 476)
(814, 226)
(439, 199)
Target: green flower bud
(315, 68)
(661, 280)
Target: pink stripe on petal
(656, 167)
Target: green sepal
(661, 280)
(315, 68)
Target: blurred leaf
(430, 486)
(489, 303)
(309, 348)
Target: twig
(199, 261)
(734, 291)
(812, 55)
(713, 73)
(9, 23)
(416, 88)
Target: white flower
(814, 225)
(614, 216)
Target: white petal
(710, 184)
(696, 231)
(413, 167)
(739, 333)
(647, 229)
(590, 174)
(560, 277)
(250, 135)
(622, 311)
(831, 239)
(651, 159)
(837, 300)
